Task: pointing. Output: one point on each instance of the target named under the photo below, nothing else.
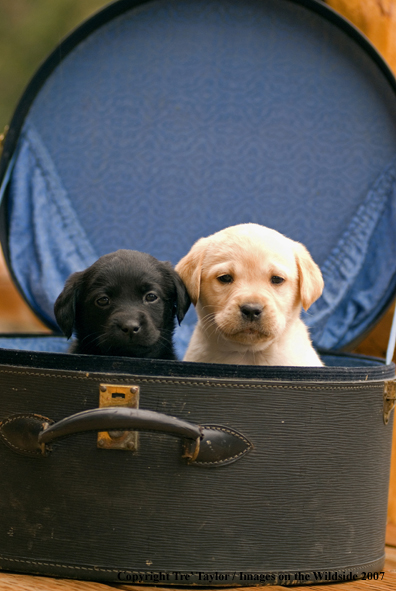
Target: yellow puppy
(248, 284)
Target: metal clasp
(116, 395)
(389, 399)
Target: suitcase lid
(156, 123)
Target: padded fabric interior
(179, 118)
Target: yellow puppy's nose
(251, 312)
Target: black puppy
(124, 304)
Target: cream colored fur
(251, 270)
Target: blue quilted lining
(44, 224)
(50, 344)
(177, 118)
(360, 272)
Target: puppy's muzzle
(251, 312)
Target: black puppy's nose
(251, 312)
(129, 326)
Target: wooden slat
(11, 582)
(15, 315)
(376, 19)
(391, 534)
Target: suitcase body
(301, 499)
(188, 117)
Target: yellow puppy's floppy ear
(311, 280)
(190, 268)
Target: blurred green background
(29, 31)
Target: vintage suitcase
(152, 124)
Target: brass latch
(115, 395)
(389, 399)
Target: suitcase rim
(372, 369)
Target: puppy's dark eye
(150, 297)
(103, 301)
(276, 280)
(225, 279)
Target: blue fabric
(179, 118)
(50, 344)
(360, 273)
(48, 242)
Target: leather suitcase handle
(117, 418)
(204, 445)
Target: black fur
(124, 304)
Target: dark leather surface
(21, 433)
(310, 494)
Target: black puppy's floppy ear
(65, 305)
(182, 298)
